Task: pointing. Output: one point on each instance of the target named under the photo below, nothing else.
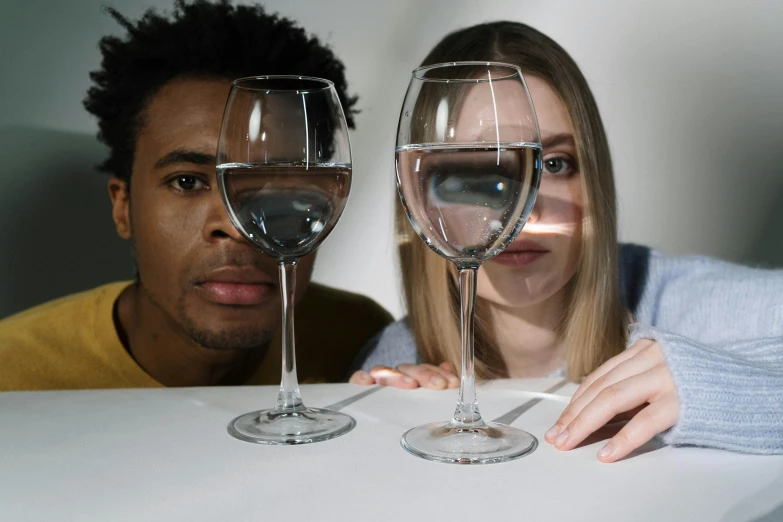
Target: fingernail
(407, 379)
(363, 375)
(605, 451)
(561, 438)
(552, 433)
(438, 381)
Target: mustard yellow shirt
(71, 342)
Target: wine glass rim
(417, 72)
(237, 84)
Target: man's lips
(238, 286)
(237, 294)
(520, 253)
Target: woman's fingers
(385, 376)
(627, 415)
(361, 377)
(611, 364)
(612, 400)
(634, 366)
(639, 386)
(622, 397)
(409, 376)
(652, 420)
(430, 376)
(449, 368)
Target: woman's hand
(410, 376)
(635, 385)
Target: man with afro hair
(159, 98)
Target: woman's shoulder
(704, 298)
(394, 345)
(641, 264)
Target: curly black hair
(201, 40)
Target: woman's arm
(391, 359)
(393, 346)
(730, 394)
(710, 367)
(726, 397)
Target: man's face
(193, 264)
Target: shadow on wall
(57, 236)
(767, 249)
(756, 156)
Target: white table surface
(149, 455)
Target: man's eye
(187, 183)
(558, 166)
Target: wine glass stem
(467, 413)
(289, 398)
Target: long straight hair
(594, 326)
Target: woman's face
(546, 254)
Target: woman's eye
(558, 166)
(187, 183)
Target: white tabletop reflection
(149, 455)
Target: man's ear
(120, 202)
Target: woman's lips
(519, 258)
(237, 294)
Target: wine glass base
(299, 427)
(491, 443)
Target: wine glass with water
(284, 172)
(468, 162)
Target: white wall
(691, 93)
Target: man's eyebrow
(185, 156)
(553, 140)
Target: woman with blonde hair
(690, 345)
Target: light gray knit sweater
(721, 329)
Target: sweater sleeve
(730, 394)
(720, 326)
(393, 346)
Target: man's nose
(218, 225)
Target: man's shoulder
(50, 315)
(58, 344)
(331, 328)
(338, 302)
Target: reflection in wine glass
(287, 211)
(468, 194)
